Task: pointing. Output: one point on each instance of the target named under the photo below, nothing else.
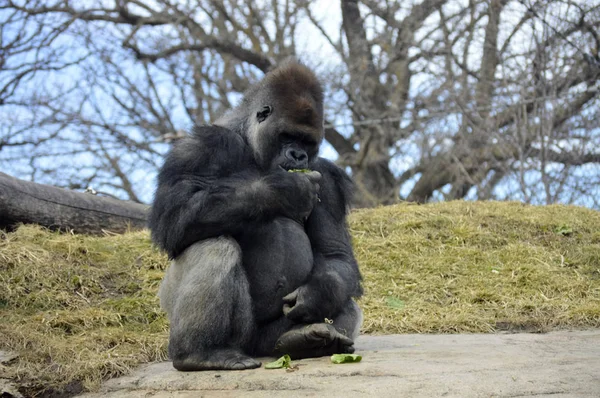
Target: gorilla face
(295, 152)
(281, 118)
(283, 145)
(286, 118)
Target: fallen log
(58, 208)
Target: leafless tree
(427, 99)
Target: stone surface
(561, 364)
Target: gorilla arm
(335, 277)
(209, 186)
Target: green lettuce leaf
(283, 362)
(345, 358)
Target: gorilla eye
(264, 113)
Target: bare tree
(511, 122)
(427, 99)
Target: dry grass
(78, 309)
(81, 309)
(478, 267)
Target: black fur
(258, 251)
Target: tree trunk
(375, 183)
(57, 208)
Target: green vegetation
(283, 362)
(345, 358)
(79, 309)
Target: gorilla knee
(358, 320)
(222, 253)
(206, 261)
(206, 295)
(349, 320)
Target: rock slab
(557, 364)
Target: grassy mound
(478, 267)
(80, 309)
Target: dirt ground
(561, 364)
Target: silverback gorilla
(262, 259)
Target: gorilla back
(261, 255)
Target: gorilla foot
(222, 359)
(316, 340)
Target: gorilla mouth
(294, 168)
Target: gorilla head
(281, 117)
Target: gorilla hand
(298, 306)
(306, 305)
(297, 193)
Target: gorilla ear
(264, 113)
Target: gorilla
(255, 224)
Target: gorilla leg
(321, 339)
(349, 321)
(263, 342)
(206, 296)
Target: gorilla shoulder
(213, 146)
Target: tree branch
(340, 143)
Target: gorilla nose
(298, 156)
